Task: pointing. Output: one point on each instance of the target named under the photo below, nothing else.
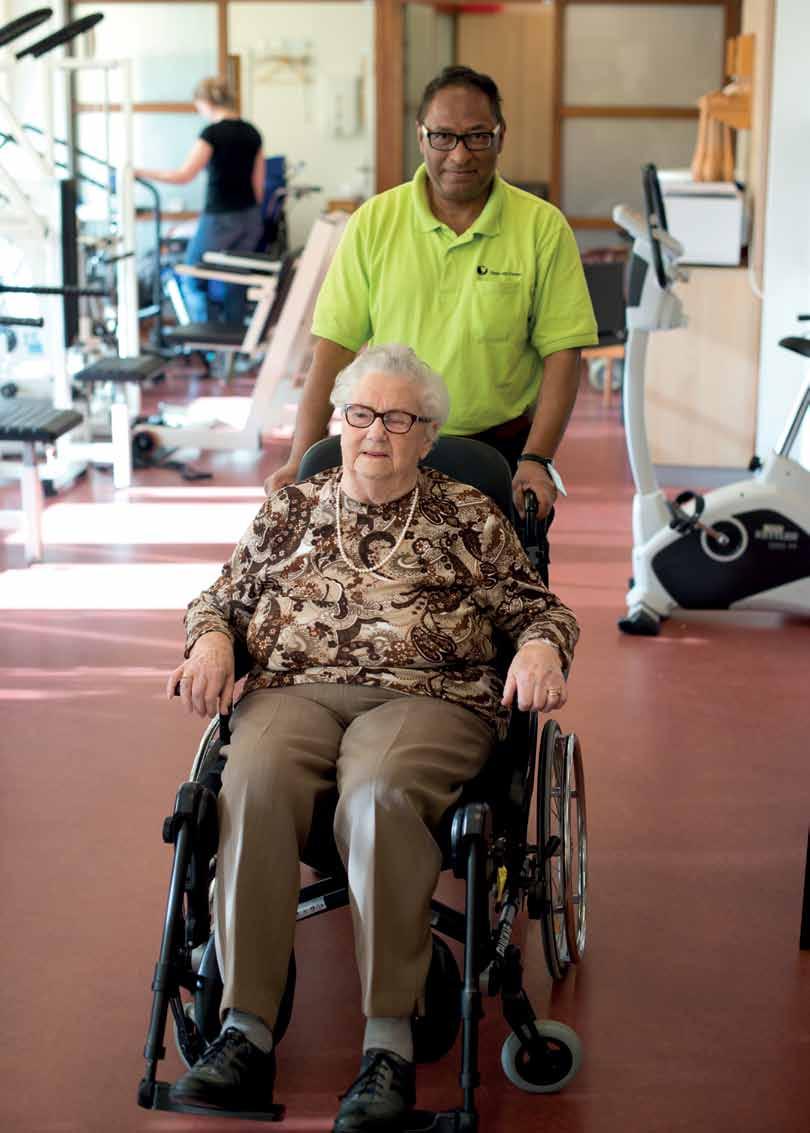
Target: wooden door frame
(561, 111)
(389, 69)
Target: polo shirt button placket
(447, 286)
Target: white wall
(171, 47)
(787, 221)
(330, 48)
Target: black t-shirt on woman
(230, 170)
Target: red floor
(692, 1003)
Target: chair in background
(605, 279)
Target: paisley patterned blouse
(425, 625)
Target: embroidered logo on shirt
(482, 270)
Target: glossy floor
(693, 1003)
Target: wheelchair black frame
(489, 955)
(471, 837)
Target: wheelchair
(509, 854)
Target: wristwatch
(548, 464)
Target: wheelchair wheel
(189, 1045)
(207, 753)
(559, 1063)
(552, 838)
(575, 852)
(202, 1013)
(435, 1032)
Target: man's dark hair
(462, 77)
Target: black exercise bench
(30, 422)
(120, 373)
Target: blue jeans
(221, 232)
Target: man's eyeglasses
(446, 141)
(394, 420)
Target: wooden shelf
(167, 215)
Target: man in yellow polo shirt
(481, 279)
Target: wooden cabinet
(701, 390)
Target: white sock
(388, 1033)
(252, 1027)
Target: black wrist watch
(548, 464)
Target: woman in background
(231, 150)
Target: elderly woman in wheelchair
(369, 598)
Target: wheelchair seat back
(469, 461)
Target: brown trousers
(399, 762)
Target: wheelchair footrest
(447, 1121)
(162, 1101)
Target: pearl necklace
(372, 569)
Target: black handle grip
(24, 24)
(10, 321)
(224, 721)
(64, 35)
(68, 289)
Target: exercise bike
(742, 546)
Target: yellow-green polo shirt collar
(487, 224)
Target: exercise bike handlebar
(636, 226)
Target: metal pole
(127, 276)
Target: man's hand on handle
(281, 478)
(206, 678)
(533, 476)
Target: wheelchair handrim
(575, 858)
(551, 822)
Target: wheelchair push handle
(530, 504)
(531, 529)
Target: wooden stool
(608, 354)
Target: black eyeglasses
(394, 420)
(446, 141)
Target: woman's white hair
(397, 361)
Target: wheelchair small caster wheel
(551, 1070)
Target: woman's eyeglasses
(394, 420)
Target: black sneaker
(380, 1097)
(231, 1074)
